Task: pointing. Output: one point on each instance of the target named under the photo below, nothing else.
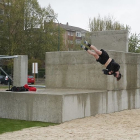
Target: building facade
(72, 36)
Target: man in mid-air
(101, 56)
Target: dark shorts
(103, 57)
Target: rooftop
(71, 28)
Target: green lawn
(9, 125)
(4, 86)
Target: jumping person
(112, 68)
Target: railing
(8, 57)
(6, 73)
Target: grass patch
(9, 125)
(4, 86)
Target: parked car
(31, 79)
(6, 80)
(2, 79)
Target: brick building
(72, 36)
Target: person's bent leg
(93, 54)
(90, 52)
(93, 48)
(96, 50)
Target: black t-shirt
(113, 66)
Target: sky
(78, 12)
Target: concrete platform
(60, 105)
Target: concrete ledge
(79, 70)
(111, 40)
(60, 105)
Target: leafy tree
(12, 27)
(41, 34)
(23, 30)
(34, 29)
(106, 23)
(54, 37)
(134, 43)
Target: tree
(12, 27)
(35, 35)
(40, 38)
(106, 23)
(134, 43)
(23, 29)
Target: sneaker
(83, 47)
(88, 44)
(85, 42)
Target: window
(78, 41)
(70, 33)
(78, 34)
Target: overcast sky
(78, 12)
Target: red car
(31, 79)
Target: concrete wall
(99, 102)
(76, 88)
(79, 70)
(59, 105)
(111, 40)
(30, 106)
(20, 70)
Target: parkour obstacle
(76, 88)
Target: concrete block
(110, 102)
(79, 70)
(116, 101)
(124, 100)
(20, 70)
(75, 106)
(111, 40)
(104, 102)
(30, 106)
(76, 73)
(98, 103)
(138, 76)
(137, 98)
(61, 105)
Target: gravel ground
(124, 125)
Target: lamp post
(58, 31)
